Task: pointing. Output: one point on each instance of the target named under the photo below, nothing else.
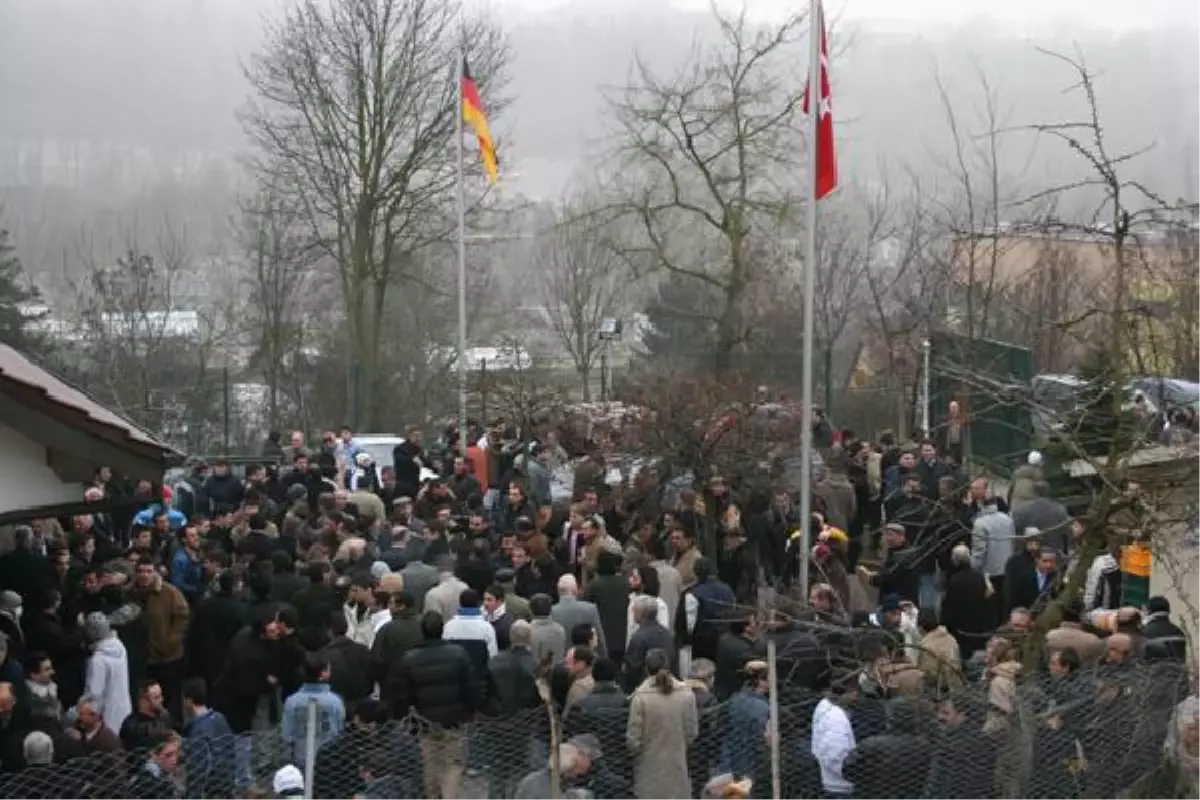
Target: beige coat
(443, 598)
(939, 660)
(1089, 646)
(661, 726)
(685, 565)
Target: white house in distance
(53, 436)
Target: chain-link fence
(1100, 732)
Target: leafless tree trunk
(581, 282)
(280, 275)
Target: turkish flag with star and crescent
(826, 168)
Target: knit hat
(96, 627)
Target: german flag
(475, 116)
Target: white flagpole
(462, 256)
(810, 271)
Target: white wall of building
(25, 478)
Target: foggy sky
(149, 89)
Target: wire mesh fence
(1105, 732)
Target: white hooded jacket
(108, 681)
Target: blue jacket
(175, 519)
(208, 754)
(331, 718)
(187, 574)
(743, 744)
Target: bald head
(1119, 648)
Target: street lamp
(610, 330)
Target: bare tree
(354, 115)
(703, 155)
(149, 341)
(279, 278)
(582, 284)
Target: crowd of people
(429, 615)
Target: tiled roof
(16, 366)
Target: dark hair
(658, 665)
(608, 563)
(1069, 658)
(370, 710)
(195, 690)
(317, 571)
(226, 581)
(468, 598)
(650, 582)
(405, 598)
(927, 620)
(495, 590)
(540, 605)
(282, 561)
(585, 654)
(604, 669)
(314, 666)
(382, 597)
(33, 661)
(581, 634)
(432, 625)
(338, 626)
(146, 685)
(702, 568)
(362, 580)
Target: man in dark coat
(436, 679)
(966, 610)
(650, 635)
(24, 571)
(216, 620)
(513, 673)
(609, 592)
(899, 575)
(393, 641)
(733, 651)
(351, 669)
(248, 674)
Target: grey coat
(648, 636)
(443, 598)
(570, 611)
(419, 578)
(992, 538)
(1050, 517)
(548, 638)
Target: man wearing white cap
(1023, 478)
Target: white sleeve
(493, 648)
(97, 679)
(692, 609)
(664, 618)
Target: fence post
(773, 718)
(482, 394)
(555, 738)
(225, 405)
(310, 748)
